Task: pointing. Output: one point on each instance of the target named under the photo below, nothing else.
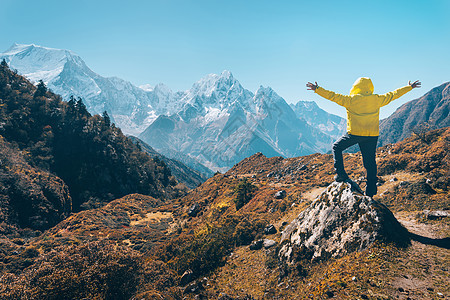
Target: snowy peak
(146, 87)
(215, 83)
(267, 94)
(219, 91)
(331, 124)
(162, 89)
(40, 63)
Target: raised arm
(342, 100)
(391, 96)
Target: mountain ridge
(430, 110)
(214, 96)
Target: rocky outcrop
(339, 222)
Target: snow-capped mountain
(63, 71)
(221, 123)
(330, 124)
(217, 121)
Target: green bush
(243, 192)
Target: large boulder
(339, 222)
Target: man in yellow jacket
(363, 110)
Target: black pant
(368, 146)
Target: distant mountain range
(221, 123)
(431, 109)
(63, 71)
(217, 122)
(331, 124)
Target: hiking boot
(371, 190)
(340, 178)
(354, 186)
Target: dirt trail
(423, 259)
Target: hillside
(197, 246)
(182, 172)
(57, 146)
(30, 198)
(431, 111)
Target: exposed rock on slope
(339, 222)
(432, 108)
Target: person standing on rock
(363, 109)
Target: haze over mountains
(217, 121)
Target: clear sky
(282, 44)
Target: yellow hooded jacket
(363, 106)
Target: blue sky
(282, 44)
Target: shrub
(99, 270)
(243, 192)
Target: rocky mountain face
(428, 112)
(339, 222)
(217, 122)
(221, 123)
(331, 124)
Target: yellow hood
(362, 86)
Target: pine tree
(41, 89)
(81, 108)
(4, 63)
(106, 119)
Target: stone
(193, 210)
(280, 194)
(186, 277)
(270, 229)
(268, 243)
(194, 287)
(256, 245)
(338, 222)
(435, 214)
(224, 296)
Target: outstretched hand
(312, 86)
(415, 84)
